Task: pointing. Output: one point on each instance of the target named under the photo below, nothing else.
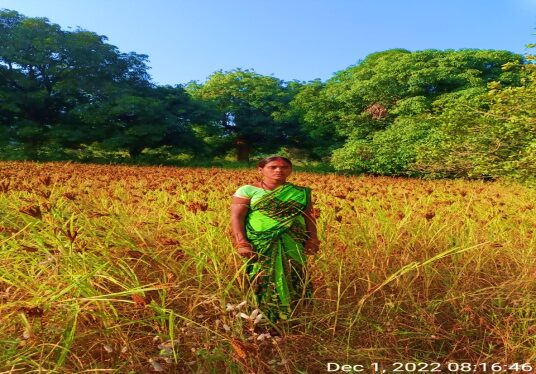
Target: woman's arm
(239, 210)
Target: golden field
(131, 269)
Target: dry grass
(130, 269)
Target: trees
(388, 102)
(316, 114)
(488, 134)
(466, 113)
(250, 110)
(513, 114)
(48, 74)
(147, 117)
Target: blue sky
(291, 39)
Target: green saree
(275, 226)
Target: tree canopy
(442, 113)
(251, 110)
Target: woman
(273, 227)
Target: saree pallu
(275, 226)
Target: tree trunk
(30, 150)
(135, 151)
(242, 150)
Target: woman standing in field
(273, 227)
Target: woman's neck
(271, 184)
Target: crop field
(132, 269)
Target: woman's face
(277, 170)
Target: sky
(290, 39)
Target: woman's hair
(262, 163)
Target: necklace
(263, 184)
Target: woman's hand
(245, 249)
(311, 246)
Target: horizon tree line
(442, 113)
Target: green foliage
(451, 148)
(440, 113)
(313, 108)
(250, 110)
(356, 156)
(487, 134)
(50, 76)
(70, 94)
(396, 147)
(412, 106)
